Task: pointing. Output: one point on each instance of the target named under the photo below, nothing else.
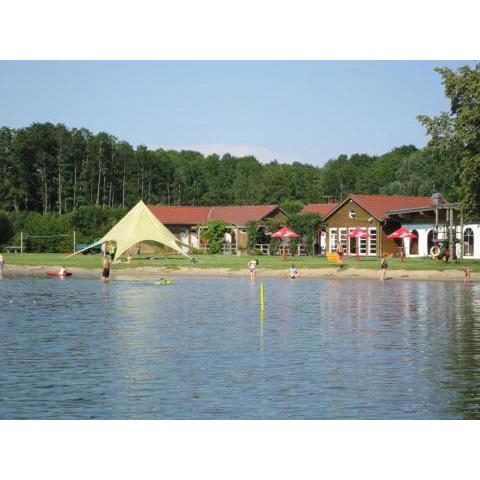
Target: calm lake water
(197, 349)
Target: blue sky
(292, 111)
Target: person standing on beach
(2, 262)
(252, 266)
(106, 269)
(383, 266)
(340, 250)
(467, 275)
(293, 272)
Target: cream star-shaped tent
(138, 225)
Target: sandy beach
(450, 275)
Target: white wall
(423, 230)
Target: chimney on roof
(437, 199)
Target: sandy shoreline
(454, 275)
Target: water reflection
(204, 349)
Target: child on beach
(467, 277)
(252, 266)
(293, 272)
(383, 266)
(106, 269)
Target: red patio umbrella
(358, 233)
(285, 233)
(402, 233)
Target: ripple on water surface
(198, 349)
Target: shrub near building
(6, 229)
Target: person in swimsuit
(2, 262)
(63, 271)
(340, 250)
(252, 266)
(383, 266)
(467, 275)
(106, 269)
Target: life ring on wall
(435, 252)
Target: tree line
(54, 170)
(50, 168)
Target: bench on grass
(13, 249)
(333, 257)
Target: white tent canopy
(138, 225)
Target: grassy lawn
(232, 262)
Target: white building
(422, 223)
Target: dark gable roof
(380, 205)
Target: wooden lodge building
(369, 212)
(186, 222)
(379, 215)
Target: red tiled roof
(241, 215)
(321, 208)
(380, 205)
(180, 215)
(236, 215)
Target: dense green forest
(54, 178)
(50, 168)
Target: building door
(430, 243)
(414, 244)
(184, 238)
(353, 244)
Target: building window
(372, 244)
(333, 239)
(362, 242)
(342, 232)
(468, 242)
(352, 214)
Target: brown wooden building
(369, 212)
(185, 222)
